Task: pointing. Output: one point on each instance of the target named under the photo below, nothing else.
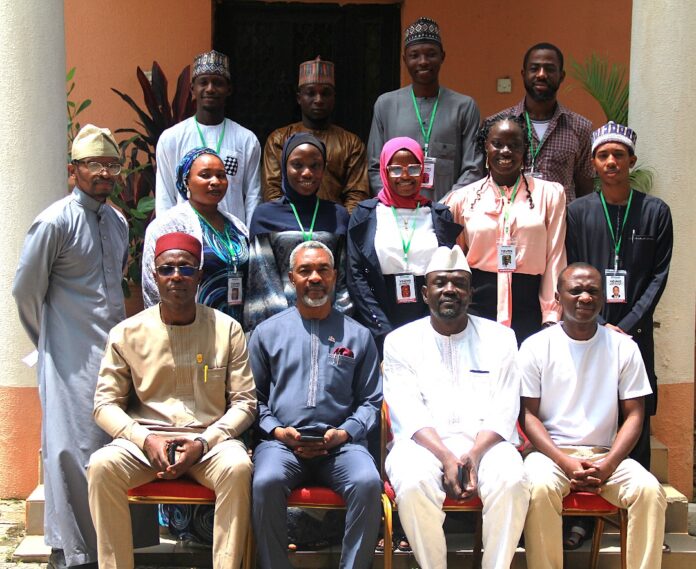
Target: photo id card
(534, 173)
(405, 288)
(507, 261)
(234, 289)
(615, 285)
(428, 172)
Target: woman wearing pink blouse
(514, 233)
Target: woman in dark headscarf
(278, 226)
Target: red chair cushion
(318, 496)
(177, 489)
(470, 504)
(587, 501)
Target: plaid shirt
(565, 153)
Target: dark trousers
(348, 470)
(526, 310)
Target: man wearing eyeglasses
(68, 293)
(175, 390)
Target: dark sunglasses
(169, 270)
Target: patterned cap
(316, 71)
(423, 30)
(612, 132)
(211, 63)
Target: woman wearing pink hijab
(391, 239)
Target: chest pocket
(476, 391)
(642, 251)
(209, 392)
(338, 379)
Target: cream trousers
(113, 470)
(416, 475)
(630, 487)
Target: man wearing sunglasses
(175, 391)
(68, 293)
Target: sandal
(379, 548)
(575, 537)
(401, 544)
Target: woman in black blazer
(391, 239)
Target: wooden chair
(184, 491)
(473, 505)
(574, 504)
(586, 504)
(594, 506)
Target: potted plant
(609, 87)
(134, 195)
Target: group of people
(487, 291)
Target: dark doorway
(266, 43)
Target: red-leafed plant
(135, 194)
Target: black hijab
(278, 216)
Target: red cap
(178, 240)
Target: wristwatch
(206, 446)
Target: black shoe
(56, 560)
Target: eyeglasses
(113, 169)
(169, 270)
(396, 170)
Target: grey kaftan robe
(68, 293)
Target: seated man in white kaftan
(453, 396)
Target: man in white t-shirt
(571, 376)
(237, 146)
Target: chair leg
(478, 543)
(596, 542)
(623, 532)
(249, 560)
(388, 531)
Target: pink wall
(483, 39)
(487, 39)
(106, 41)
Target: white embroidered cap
(446, 259)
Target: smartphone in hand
(171, 453)
(311, 438)
(463, 477)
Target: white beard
(315, 302)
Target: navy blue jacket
(364, 277)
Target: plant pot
(134, 303)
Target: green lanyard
(222, 134)
(426, 136)
(508, 205)
(306, 236)
(619, 230)
(406, 245)
(534, 151)
(225, 239)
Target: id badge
(507, 262)
(235, 293)
(405, 288)
(615, 285)
(534, 173)
(428, 172)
